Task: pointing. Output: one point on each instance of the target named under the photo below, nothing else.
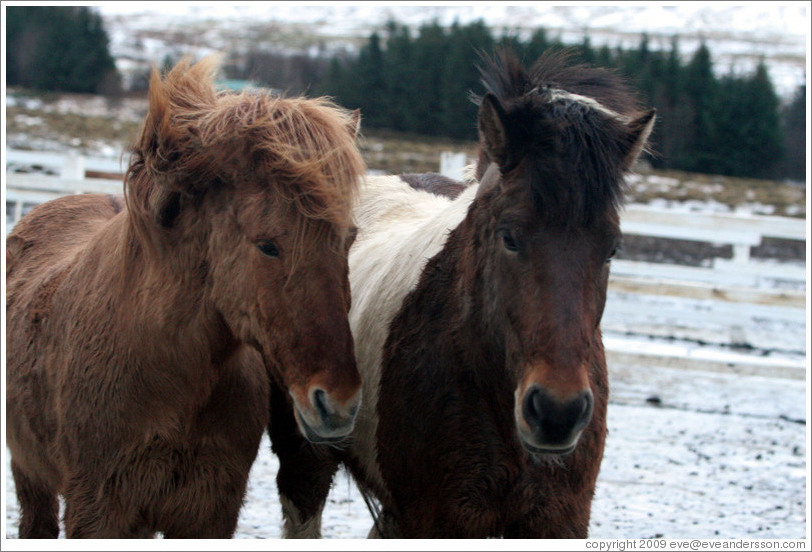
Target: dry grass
(392, 152)
(768, 196)
(75, 129)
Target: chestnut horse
(477, 319)
(144, 333)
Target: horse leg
(216, 466)
(98, 515)
(217, 514)
(304, 480)
(39, 507)
(305, 474)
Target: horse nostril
(586, 408)
(320, 403)
(535, 405)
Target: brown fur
(493, 384)
(143, 336)
(435, 183)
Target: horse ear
(492, 131)
(171, 150)
(490, 180)
(641, 130)
(160, 141)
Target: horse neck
(443, 306)
(164, 290)
(437, 347)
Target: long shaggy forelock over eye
(318, 168)
(304, 149)
(580, 181)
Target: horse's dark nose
(327, 419)
(555, 425)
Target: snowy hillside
(738, 36)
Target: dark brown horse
(144, 334)
(484, 372)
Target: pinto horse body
(145, 334)
(477, 319)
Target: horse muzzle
(548, 425)
(324, 419)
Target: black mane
(505, 76)
(573, 151)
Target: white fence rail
(62, 164)
(741, 302)
(753, 310)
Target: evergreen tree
(587, 54)
(701, 91)
(372, 83)
(537, 44)
(430, 51)
(400, 77)
(673, 133)
(673, 76)
(59, 48)
(793, 122)
(763, 132)
(460, 77)
(333, 84)
(604, 57)
(748, 132)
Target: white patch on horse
(400, 229)
(295, 527)
(557, 94)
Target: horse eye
(268, 248)
(509, 241)
(613, 253)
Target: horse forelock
(576, 174)
(569, 122)
(306, 149)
